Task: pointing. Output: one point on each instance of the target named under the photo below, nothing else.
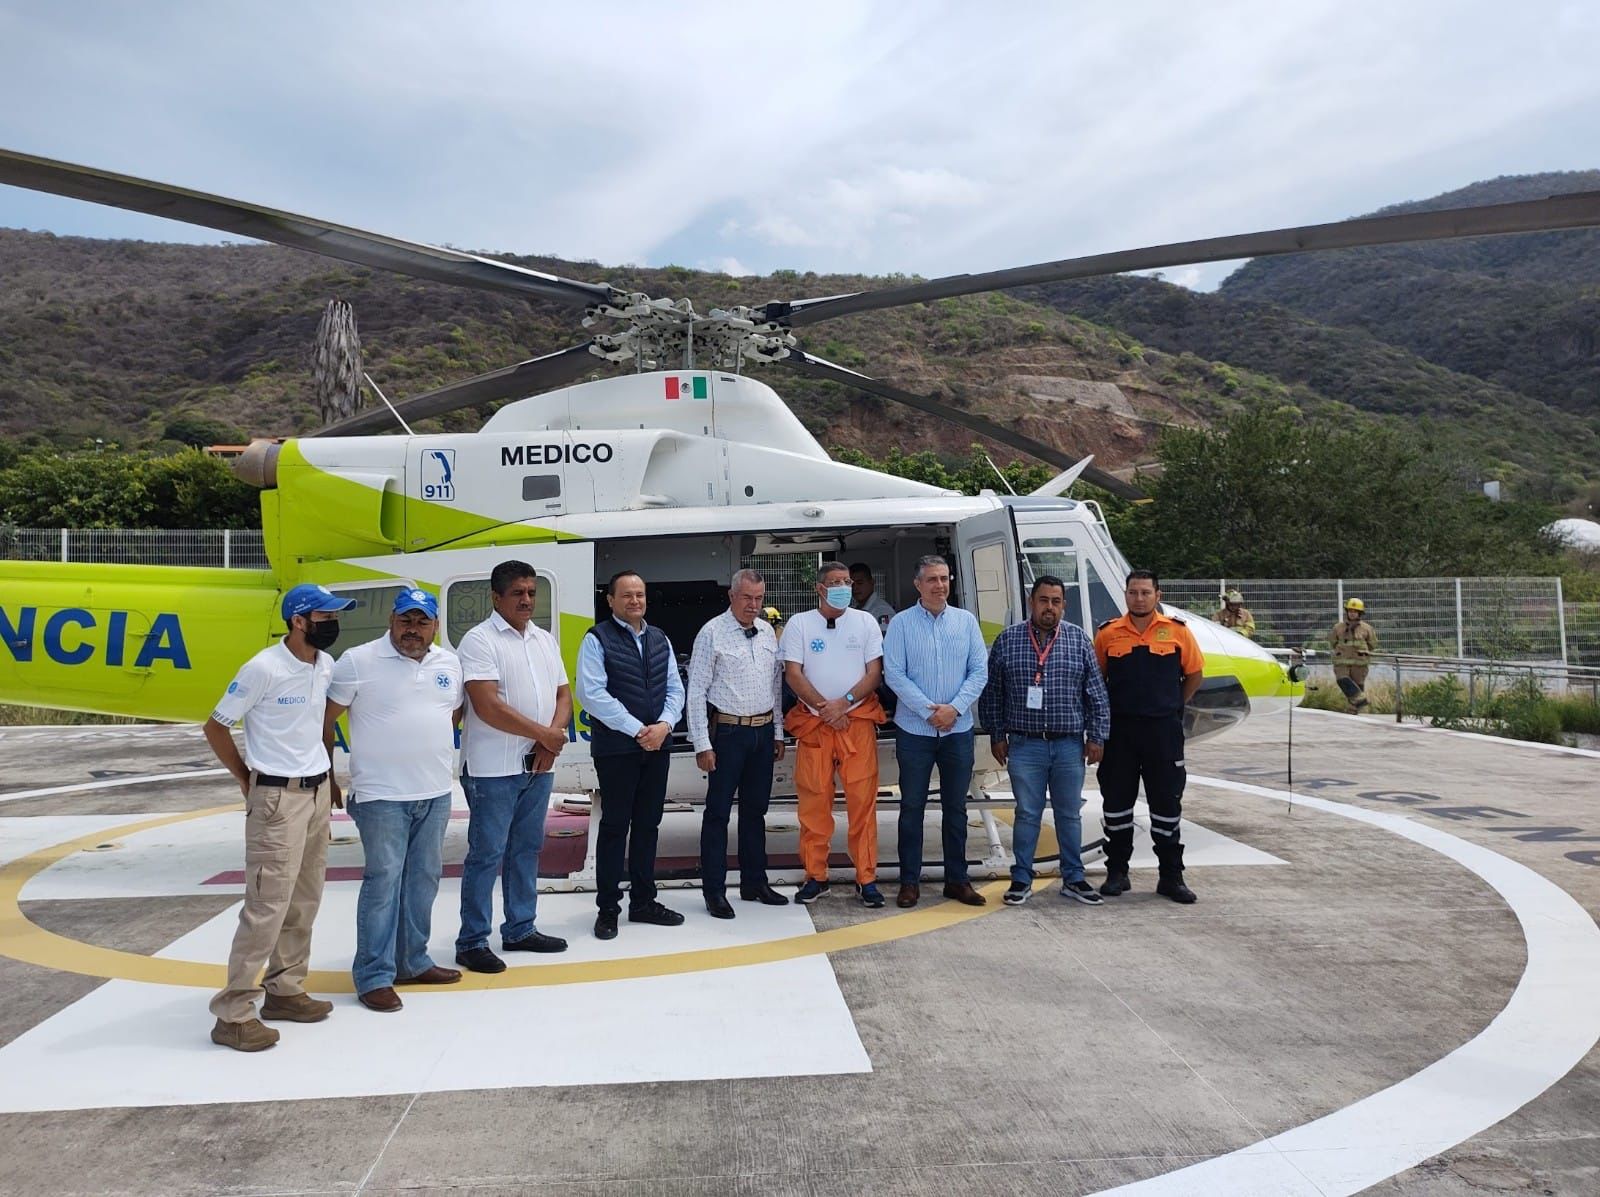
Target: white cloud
(924, 138)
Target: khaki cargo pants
(285, 857)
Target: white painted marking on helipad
(111, 783)
(1481, 737)
(133, 1044)
(1546, 1028)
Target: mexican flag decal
(684, 386)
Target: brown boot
(909, 895)
(962, 891)
(384, 1000)
(295, 1007)
(249, 1036)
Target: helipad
(1392, 983)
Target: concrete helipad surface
(1391, 986)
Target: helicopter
(684, 469)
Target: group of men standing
(1050, 700)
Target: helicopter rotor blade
(815, 367)
(511, 382)
(1575, 211)
(297, 232)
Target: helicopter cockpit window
(467, 603)
(1055, 556)
(369, 618)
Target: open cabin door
(987, 570)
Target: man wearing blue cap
(279, 695)
(404, 696)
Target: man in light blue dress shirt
(935, 661)
(628, 683)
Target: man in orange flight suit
(1153, 667)
(833, 661)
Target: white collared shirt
(281, 700)
(735, 673)
(402, 730)
(527, 670)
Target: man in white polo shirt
(833, 660)
(404, 695)
(279, 695)
(518, 706)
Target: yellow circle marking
(23, 939)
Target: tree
(125, 490)
(1267, 494)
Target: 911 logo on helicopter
(439, 475)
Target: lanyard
(1044, 653)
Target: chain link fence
(1501, 619)
(1583, 633)
(220, 547)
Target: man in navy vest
(628, 683)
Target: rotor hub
(664, 332)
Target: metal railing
(1501, 619)
(223, 548)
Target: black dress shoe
(1174, 888)
(766, 895)
(480, 960)
(655, 914)
(717, 906)
(536, 942)
(605, 925)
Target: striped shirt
(1075, 699)
(933, 659)
(737, 674)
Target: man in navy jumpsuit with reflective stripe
(1152, 668)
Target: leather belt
(291, 783)
(1050, 735)
(760, 720)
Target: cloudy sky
(878, 137)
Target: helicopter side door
(987, 570)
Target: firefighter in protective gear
(1153, 667)
(1236, 615)
(1353, 641)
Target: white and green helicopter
(682, 473)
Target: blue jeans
(505, 834)
(1037, 765)
(917, 755)
(403, 847)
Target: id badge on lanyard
(1035, 695)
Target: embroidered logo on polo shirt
(819, 645)
(442, 680)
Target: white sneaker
(1082, 891)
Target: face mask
(839, 597)
(322, 635)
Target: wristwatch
(850, 696)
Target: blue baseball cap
(308, 597)
(416, 600)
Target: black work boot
(1116, 882)
(1170, 884)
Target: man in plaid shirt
(1047, 713)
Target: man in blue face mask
(833, 661)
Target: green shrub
(1578, 713)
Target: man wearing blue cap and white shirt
(279, 694)
(404, 695)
